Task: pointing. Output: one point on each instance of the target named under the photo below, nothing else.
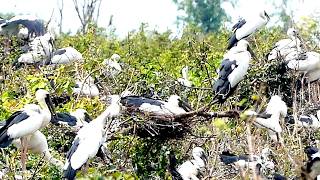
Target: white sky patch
(159, 14)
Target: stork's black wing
(35, 27)
(137, 101)
(228, 158)
(69, 172)
(64, 117)
(15, 118)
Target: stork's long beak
(50, 104)
(185, 105)
(204, 158)
(266, 14)
(252, 53)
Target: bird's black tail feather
(5, 140)
(172, 167)
(69, 173)
(228, 158)
(232, 41)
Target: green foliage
(206, 14)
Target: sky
(129, 14)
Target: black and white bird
(260, 163)
(190, 169)
(245, 27)
(34, 25)
(75, 120)
(307, 121)
(311, 170)
(232, 71)
(23, 123)
(39, 51)
(173, 106)
(66, 55)
(306, 63)
(275, 112)
(87, 87)
(286, 46)
(89, 139)
(185, 78)
(113, 68)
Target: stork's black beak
(50, 105)
(266, 14)
(204, 158)
(185, 105)
(87, 117)
(252, 53)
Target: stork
(245, 27)
(34, 25)
(113, 68)
(40, 50)
(311, 170)
(75, 119)
(233, 69)
(270, 119)
(191, 169)
(66, 55)
(307, 121)
(306, 63)
(286, 46)
(185, 79)
(86, 87)
(89, 139)
(173, 106)
(21, 124)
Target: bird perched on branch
(113, 67)
(185, 79)
(40, 50)
(75, 119)
(245, 27)
(307, 121)
(23, 123)
(34, 25)
(270, 119)
(65, 55)
(173, 106)
(232, 70)
(89, 139)
(190, 169)
(286, 46)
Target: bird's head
(114, 99)
(264, 15)
(43, 97)
(199, 152)
(292, 32)
(83, 115)
(115, 57)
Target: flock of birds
(23, 127)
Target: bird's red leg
(23, 154)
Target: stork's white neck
(199, 161)
(44, 107)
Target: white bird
(311, 169)
(113, 68)
(65, 56)
(245, 27)
(306, 63)
(190, 169)
(233, 69)
(75, 120)
(270, 119)
(34, 25)
(177, 106)
(37, 143)
(87, 88)
(286, 46)
(28, 120)
(40, 50)
(89, 139)
(185, 79)
(308, 121)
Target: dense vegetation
(154, 60)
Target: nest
(168, 126)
